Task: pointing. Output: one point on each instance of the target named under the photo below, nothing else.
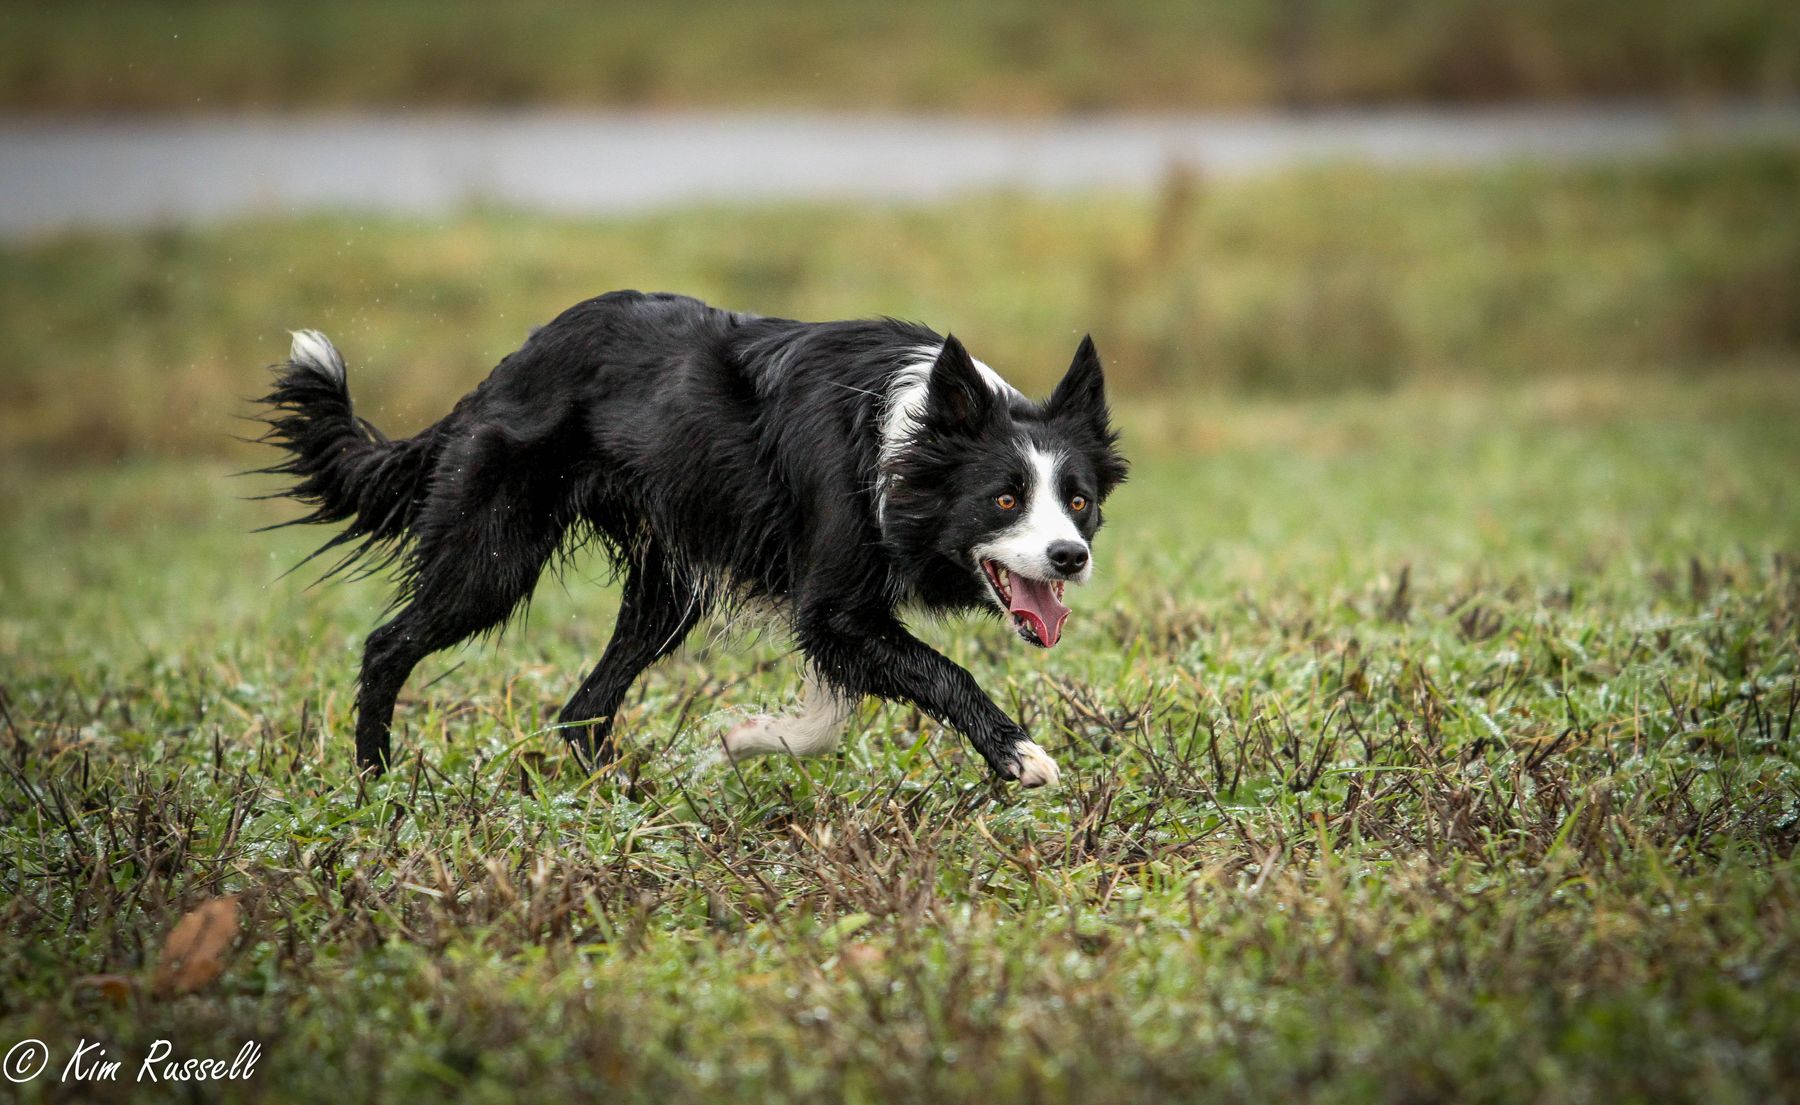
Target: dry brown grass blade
(193, 957)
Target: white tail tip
(315, 350)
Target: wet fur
(714, 455)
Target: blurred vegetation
(1305, 283)
(1022, 56)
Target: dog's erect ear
(1082, 393)
(1081, 399)
(957, 396)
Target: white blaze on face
(1024, 547)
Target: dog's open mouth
(1035, 604)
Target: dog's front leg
(879, 657)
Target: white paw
(812, 732)
(1036, 768)
(757, 736)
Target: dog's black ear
(957, 396)
(1081, 399)
(1082, 393)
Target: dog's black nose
(1068, 557)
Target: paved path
(136, 172)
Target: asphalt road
(125, 173)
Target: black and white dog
(841, 472)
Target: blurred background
(1289, 198)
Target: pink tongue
(1036, 600)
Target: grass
(1435, 745)
(1314, 282)
(1428, 733)
(1012, 57)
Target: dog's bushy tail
(342, 466)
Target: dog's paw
(808, 733)
(755, 736)
(1035, 767)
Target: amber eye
(1078, 504)
(1006, 502)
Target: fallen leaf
(194, 954)
(114, 988)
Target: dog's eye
(1006, 502)
(1078, 504)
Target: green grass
(1303, 283)
(1427, 734)
(1429, 746)
(1020, 56)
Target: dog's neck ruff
(908, 392)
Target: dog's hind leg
(660, 605)
(814, 730)
(479, 552)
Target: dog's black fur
(716, 456)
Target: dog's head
(1005, 494)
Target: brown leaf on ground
(114, 988)
(194, 954)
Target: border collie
(840, 472)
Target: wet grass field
(1423, 737)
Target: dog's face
(1007, 492)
